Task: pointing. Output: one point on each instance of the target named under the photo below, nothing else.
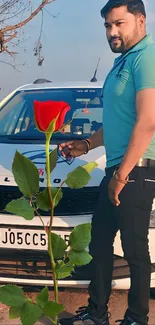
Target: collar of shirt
(147, 40)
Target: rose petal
(47, 111)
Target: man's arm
(142, 133)
(96, 140)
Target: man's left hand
(114, 189)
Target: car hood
(36, 153)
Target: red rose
(47, 111)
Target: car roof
(71, 84)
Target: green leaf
(43, 201)
(64, 271)
(90, 166)
(30, 314)
(52, 309)
(21, 208)
(57, 196)
(42, 298)
(53, 159)
(78, 178)
(58, 245)
(12, 296)
(79, 258)
(14, 312)
(25, 174)
(80, 237)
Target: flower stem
(52, 321)
(51, 222)
(49, 179)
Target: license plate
(27, 238)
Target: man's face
(123, 29)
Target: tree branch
(10, 38)
(6, 50)
(11, 65)
(7, 5)
(54, 16)
(24, 22)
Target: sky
(72, 44)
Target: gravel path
(73, 299)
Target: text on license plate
(27, 238)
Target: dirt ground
(72, 299)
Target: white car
(24, 259)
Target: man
(127, 191)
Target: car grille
(33, 265)
(22, 264)
(74, 201)
(36, 265)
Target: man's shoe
(128, 321)
(83, 317)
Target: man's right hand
(75, 148)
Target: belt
(143, 162)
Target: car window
(17, 119)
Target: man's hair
(134, 7)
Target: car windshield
(17, 120)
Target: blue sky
(72, 44)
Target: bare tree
(19, 12)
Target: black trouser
(132, 218)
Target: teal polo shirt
(130, 73)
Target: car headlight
(152, 219)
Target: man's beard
(125, 45)
(115, 48)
